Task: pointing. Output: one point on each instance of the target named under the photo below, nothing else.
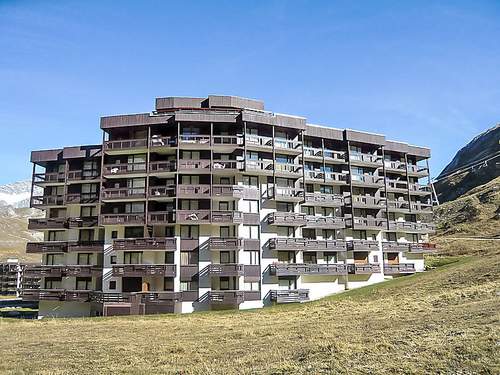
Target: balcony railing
(123, 193)
(227, 217)
(396, 185)
(395, 246)
(367, 201)
(125, 144)
(290, 295)
(194, 165)
(161, 191)
(411, 226)
(83, 222)
(124, 168)
(139, 270)
(235, 191)
(158, 141)
(161, 217)
(49, 177)
(320, 199)
(258, 141)
(89, 246)
(63, 270)
(369, 159)
(76, 198)
(288, 169)
(325, 222)
(287, 144)
(47, 200)
(369, 223)
(46, 247)
(262, 166)
(49, 223)
(194, 140)
(395, 166)
(304, 244)
(363, 268)
(421, 207)
(286, 193)
(193, 191)
(83, 175)
(369, 180)
(228, 269)
(313, 152)
(226, 297)
(419, 248)
(420, 189)
(416, 248)
(417, 170)
(287, 219)
(401, 268)
(339, 156)
(336, 177)
(162, 166)
(226, 165)
(145, 244)
(227, 140)
(362, 245)
(117, 219)
(398, 205)
(292, 269)
(315, 175)
(193, 216)
(216, 243)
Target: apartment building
(13, 279)
(215, 203)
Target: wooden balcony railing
(123, 193)
(83, 222)
(363, 268)
(76, 198)
(320, 199)
(396, 185)
(162, 166)
(90, 246)
(368, 223)
(419, 248)
(401, 268)
(228, 269)
(124, 168)
(194, 140)
(235, 191)
(395, 246)
(161, 217)
(324, 222)
(46, 247)
(162, 191)
(362, 245)
(226, 165)
(63, 270)
(227, 140)
(146, 244)
(418, 170)
(336, 177)
(376, 181)
(49, 223)
(82, 175)
(226, 297)
(158, 141)
(117, 219)
(292, 269)
(398, 205)
(359, 158)
(193, 191)
(217, 243)
(395, 166)
(49, 177)
(47, 200)
(339, 156)
(288, 169)
(304, 244)
(125, 144)
(193, 216)
(139, 270)
(289, 296)
(226, 217)
(287, 144)
(411, 226)
(197, 165)
(367, 201)
(286, 193)
(263, 166)
(258, 141)
(287, 219)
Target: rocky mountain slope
(14, 215)
(475, 164)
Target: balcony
(395, 166)
(295, 269)
(114, 194)
(417, 189)
(363, 268)
(193, 216)
(335, 156)
(305, 244)
(286, 194)
(77, 295)
(265, 167)
(125, 146)
(194, 141)
(417, 171)
(291, 219)
(401, 268)
(47, 178)
(421, 248)
(397, 186)
(46, 247)
(228, 269)
(161, 217)
(83, 222)
(47, 201)
(421, 207)
(196, 166)
(63, 270)
(408, 226)
(367, 181)
(315, 175)
(87, 246)
(188, 271)
(313, 153)
(324, 200)
(140, 270)
(49, 223)
(193, 191)
(288, 169)
(122, 219)
(362, 245)
(81, 198)
(227, 142)
(329, 222)
(226, 297)
(161, 192)
(121, 169)
(259, 142)
(158, 142)
(367, 201)
(145, 244)
(398, 206)
(82, 175)
(287, 146)
(161, 167)
(289, 296)
(216, 243)
(369, 223)
(235, 191)
(226, 166)
(227, 217)
(367, 160)
(43, 294)
(395, 247)
(336, 178)
(136, 297)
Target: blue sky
(425, 72)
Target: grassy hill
(445, 320)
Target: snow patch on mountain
(17, 194)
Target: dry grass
(445, 320)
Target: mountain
(475, 164)
(14, 215)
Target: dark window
(112, 259)
(112, 285)
(114, 234)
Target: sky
(422, 72)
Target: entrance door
(131, 284)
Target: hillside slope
(450, 184)
(465, 223)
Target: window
(87, 211)
(252, 155)
(309, 233)
(189, 231)
(286, 256)
(414, 237)
(250, 206)
(84, 258)
(251, 286)
(329, 234)
(307, 210)
(224, 206)
(284, 207)
(168, 284)
(134, 207)
(391, 236)
(112, 259)
(250, 231)
(52, 259)
(310, 258)
(83, 283)
(254, 257)
(86, 235)
(330, 258)
(251, 181)
(190, 180)
(53, 283)
(325, 189)
(226, 257)
(225, 232)
(375, 258)
(224, 283)
(54, 235)
(137, 185)
(169, 257)
(286, 283)
(189, 285)
(189, 257)
(114, 234)
(191, 155)
(134, 232)
(89, 188)
(89, 169)
(132, 257)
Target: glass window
(251, 181)
(112, 285)
(112, 259)
(224, 283)
(189, 231)
(83, 283)
(84, 258)
(225, 232)
(53, 283)
(254, 257)
(132, 257)
(310, 258)
(330, 258)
